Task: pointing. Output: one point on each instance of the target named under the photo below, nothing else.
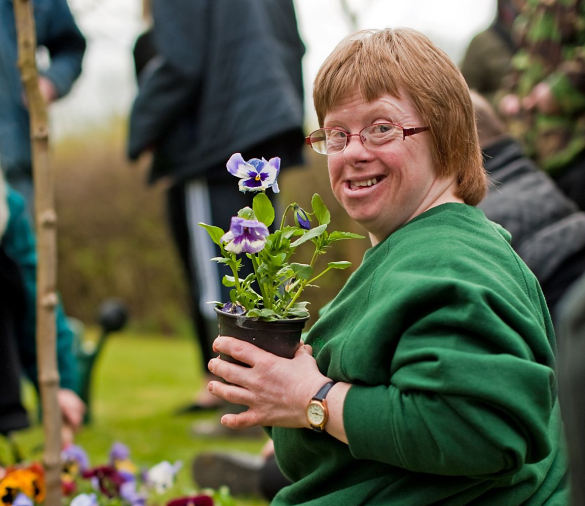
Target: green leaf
(320, 210)
(288, 232)
(302, 271)
(228, 281)
(299, 313)
(264, 314)
(263, 209)
(220, 260)
(339, 265)
(215, 233)
(339, 236)
(246, 213)
(314, 232)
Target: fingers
(240, 350)
(304, 349)
(72, 407)
(241, 420)
(231, 393)
(232, 373)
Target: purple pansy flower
(129, 493)
(74, 453)
(119, 451)
(255, 175)
(301, 218)
(247, 236)
(22, 500)
(84, 500)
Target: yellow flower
(30, 481)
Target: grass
(137, 384)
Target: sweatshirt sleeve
(20, 246)
(464, 377)
(66, 45)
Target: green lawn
(137, 383)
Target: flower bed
(119, 482)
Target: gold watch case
(317, 414)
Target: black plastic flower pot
(280, 337)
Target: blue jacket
(18, 242)
(227, 78)
(57, 31)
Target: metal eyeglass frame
(406, 132)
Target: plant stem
(235, 273)
(303, 284)
(265, 299)
(284, 216)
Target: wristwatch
(317, 413)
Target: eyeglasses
(330, 141)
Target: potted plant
(265, 308)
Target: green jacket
(551, 37)
(445, 336)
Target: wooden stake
(46, 219)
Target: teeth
(367, 182)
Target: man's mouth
(363, 183)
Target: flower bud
(302, 218)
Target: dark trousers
(214, 202)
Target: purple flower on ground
(301, 218)
(247, 236)
(255, 175)
(22, 500)
(129, 493)
(84, 500)
(74, 453)
(119, 451)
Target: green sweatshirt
(445, 336)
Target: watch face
(315, 413)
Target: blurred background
(112, 238)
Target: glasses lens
(327, 141)
(377, 136)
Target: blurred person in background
(488, 57)
(18, 348)
(57, 32)
(548, 230)
(216, 77)
(543, 99)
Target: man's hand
(72, 410)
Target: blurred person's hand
(72, 409)
(509, 105)
(48, 90)
(541, 99)
(267, 450)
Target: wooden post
(45, 218)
